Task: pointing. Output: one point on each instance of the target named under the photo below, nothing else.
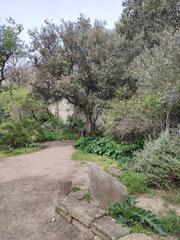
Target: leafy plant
(160, 161)
(135, 182)
(107, 147)
(14, 134)
(126, 212)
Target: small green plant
(135, 182)
(171, 222)
(87, 197)
(76, 189)
(126, 212)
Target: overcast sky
(32, 13)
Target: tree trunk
(91, 124)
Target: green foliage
(76, 189)
(107, 147)
(135, 182)
(74, 124)
(171, 222)
(10, 44)
(127, 213)
(13, 152)
(14, 134)
(160, 161)
(87, 197)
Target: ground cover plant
(108, 148)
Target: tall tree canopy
(10, 44)
(82, 66)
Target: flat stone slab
(66, 203)
(108, 229)
(78, 195)
(86, 213)
(136, 236)
(85, 230)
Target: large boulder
(104, 188)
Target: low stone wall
(92, 221)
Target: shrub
(74, 124)
(15, 134)
(126, 212)
(135, 182)
(160, 161)
(107, 147)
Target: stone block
(97, 238)
(82, 228)
(136, 236)
(66, 216)
(86, 213)
(66, 203)
(108, 229)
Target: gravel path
(29, 186)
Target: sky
(31, 13)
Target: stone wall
(92, 221)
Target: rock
(104, 188)
(82, 228)
(53, 220)
(86, 213)
(78, 195)
(108, 229)
(113, 171)
(65, 188)
(136, 236)
(81, 211)
(97, 238)
(66, 216)
(66, 203)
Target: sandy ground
(29, 186)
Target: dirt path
(29, 186)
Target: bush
(74, 124)
(107, 147)
(160, 161)
(135, 182)
(14, 134)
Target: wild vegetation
(123, 85)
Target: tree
(158, 73)
(10, 44)
(84, 68)
(147, 18)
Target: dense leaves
(160, 161)
(107, 147)
(126, 212)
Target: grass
(18, 151)
(103, 162)
(134, 182)
(171, 223)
